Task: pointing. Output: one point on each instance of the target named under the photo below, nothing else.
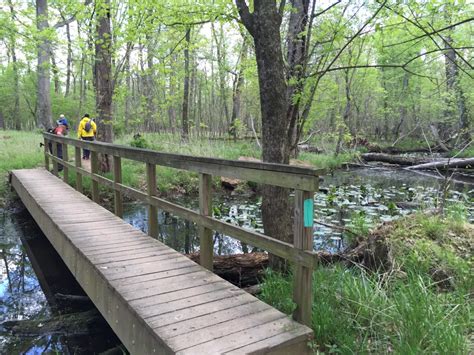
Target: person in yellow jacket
(86, 131)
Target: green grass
(405, 311)
(18, 150)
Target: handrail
(303, 180)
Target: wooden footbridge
(155, 299)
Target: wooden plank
(118, 200)
(207, 334)
(95, 170)
(77, 163)
(303, 240)
(151, 190)
(199, 310)
(246, 337)
(155, 301)
(210, 319)
(158, 257)
(206, 251)
(121, 273)
(174, 305)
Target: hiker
(61, 129)
(86, 131)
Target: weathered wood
(77, 163)
(205, 234)
(46, 153)
(118, 200)
(65, 167)
(94, 171)
(54, 148)
(303, 240)
(268, 173)
(151, 189)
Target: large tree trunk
(44, 49)
(104, 80)
(264, 26)
(185, 113)
(296, 58)
(16, 104)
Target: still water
(31, 272)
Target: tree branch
(245, 15)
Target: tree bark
(104, 80)
(16, 104)
(185, 113)
(264, 26)
(44, 120)
(237, 92)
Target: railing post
(118, 202)
(94, 170)
(303, 240)
(78, 164)
(206, 251)
(65, 167)
(151, 189)
(54, 145)
(46, 152)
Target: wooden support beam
(95, 170)
(152, 210)
(206, 249)
(118, 200)
(46, 152)
(78, 164)
(65, 168)
(303, 240)
(55, 153)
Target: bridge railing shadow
(304, 181)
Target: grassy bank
(422, 304)
(18, 150)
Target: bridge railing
(303, 180)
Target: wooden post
(206, 251)
(46, 152)
(65, 159)
(94, 170)
(303, 240)
(118, 201)
(78, 163)
(152, 211)
(55, 154)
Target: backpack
(88, 126)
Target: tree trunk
(264, 26)
(16, 104)
(2, 120)
(452, 82)
(104, 80)
(68, 61)
(128, 88)
(55, 71)
(237, 92)
(44, 120)
(185, 113)
(403, 106)
(296, 58)
(150, 114)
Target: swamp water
(31, 271)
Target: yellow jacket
(81, 130)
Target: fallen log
(395, 159)
(464, 163)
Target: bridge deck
(154, 298)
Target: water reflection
(31, 273)
(356, 199)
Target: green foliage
(139, 142)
